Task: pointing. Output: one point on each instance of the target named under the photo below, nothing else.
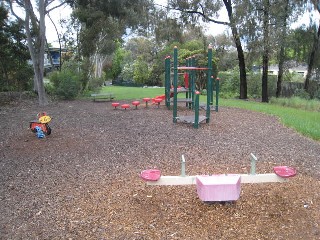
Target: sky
(211, 28)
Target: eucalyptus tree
(105, 23)
(15, 72)
(35, 27)
(314, 51)
(265, 29)
(207, 11)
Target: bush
(67, 85)
(95, 83)
(317, 94)
(204, 92)
(301, 93)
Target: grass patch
(130, 93)
(296, 102)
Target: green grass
(303, 121)
(126, 93)
(296, 102)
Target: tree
(35, 28)
(15, 73)
(103, 24)
(237, 41)
(314, 50)
(266, 46)
(207, 11)
(141, 71)
(281, 58)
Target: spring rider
(41, 126)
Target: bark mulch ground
(82, 181)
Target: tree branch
(57, 6)
(13, 12)
(196, 12)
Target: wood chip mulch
(82, 181)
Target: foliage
(96, 83)
(141, 72)
(118, 61)
(301, 93)
(66, 83)
(15, 73)
(317, 94)
(229, 84)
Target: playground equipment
(156, 100)
(40, 133)
(125, 106)
(146, 100)
(115, 104)
(136, 104)
(189, 88)
(219, 187)
(41, 126)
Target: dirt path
(82, 181)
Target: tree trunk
(265, 57)
(42, 40)
(281, 70)
(236, 38)
(282, 52)
(311, 59)
(36, 47)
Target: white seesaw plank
(245, 178)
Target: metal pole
(193, 81)
(183, 166)
(196, 110)
(217, 93)
(253, 164)
(167, 80)
(209, 87)
(175, 82)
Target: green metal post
(167, 81)
(175, 82)
(217, 93)
(190, 82)
(213, 83)
(193, 81)
(209, 87)
(186, 72)
(196, 110)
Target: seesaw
(219, 187)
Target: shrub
(204, 92)
(317, 94)
(301, 93)
(66, 84)
(95, 83)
